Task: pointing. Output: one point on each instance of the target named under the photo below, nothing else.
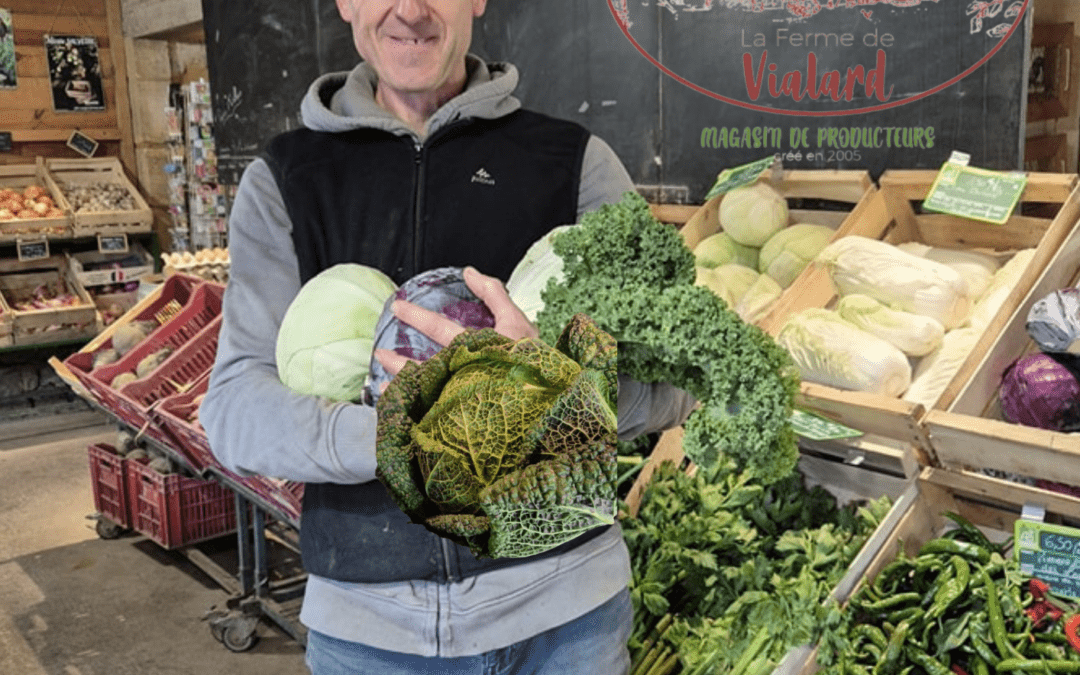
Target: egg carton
(211, 264)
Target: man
(418, 158)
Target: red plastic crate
(107, 478)
(175, 510)
(189, 438)
(201, 304)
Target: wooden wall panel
(27, 112)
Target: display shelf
(893, 215)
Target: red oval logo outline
(817, 113)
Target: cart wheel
(239, 636)
(106, 529)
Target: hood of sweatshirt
(346, 101)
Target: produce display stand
(21, 176)
(992, 504)
(973, 419)
(18, 282)
(890, 216)
(68, 173)
(187, 313)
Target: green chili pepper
(891, 602)
(951, 589)
(983, 651)
(971, 530)
(1038, 665)
(972, 551)
(997, 620)
(1047, 651)
(909, 613)
(871, 633)
(892, 652)
(928, 663)
(978, 666)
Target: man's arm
(643, 408)
(254, 423)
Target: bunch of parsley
(728, 575)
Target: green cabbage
(720, 249)
(758, 298)
(791, 249)
(730, 282)
(507, 447)
(326, 337)
(753, 213)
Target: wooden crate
(19, 177)
(971, 431)
(845, 482)
(17, 283)
(5, 324)
(103, 269)
(891, 216)
(850, 188)
(81, 172)
(994, 505)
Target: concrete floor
(74, 604)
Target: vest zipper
(418, 204)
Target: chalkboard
(1050, 553)
(669, 84)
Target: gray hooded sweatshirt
(257, 426)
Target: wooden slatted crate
(892, 216)
(19, 177)
(69, 173)
(971, 431)
(18, 282)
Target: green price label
(1050, 553)
(729, 179)
(978, 194)
(818, 428)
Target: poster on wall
(8, 78)
(75, 73)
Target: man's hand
(509, 320)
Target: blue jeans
(593, 643)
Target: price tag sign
(738, 176)
(5, 141)
(978, 194)
(32, 249)
(1050, 553)
(112, 243)
(818, 428)
(82, 144)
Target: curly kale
(634, 276)
(507, 447)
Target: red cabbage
(1040, 391)
(442, 290)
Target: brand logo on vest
(482, 176)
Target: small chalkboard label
(978, 194)
(1050, 553)
(738, 176)
(5, 141)
(818, 428)
(112, 243)
(32, 249)
(82, 144)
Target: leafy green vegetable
(634, 276)
(729, 575)
(325, 342)
(507, 447)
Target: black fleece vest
(477, 192)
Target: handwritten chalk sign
(82, 144)
(112, 243)
(5, 141)
(1050, 553)
(818, 428)
(32, 249)
(978, 194)
(738, 176)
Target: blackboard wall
(577, 61)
